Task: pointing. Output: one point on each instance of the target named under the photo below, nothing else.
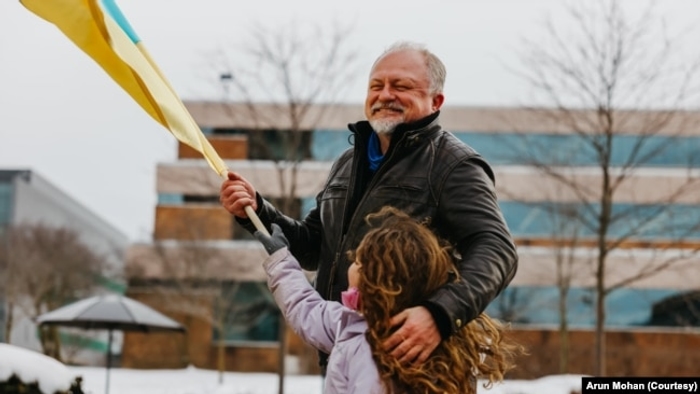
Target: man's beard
(386, 126)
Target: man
(402, 157)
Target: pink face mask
(350, 298)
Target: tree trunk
(221, 345)
(563, 332)
(9, 321)
(282, 354)
(50, 342)
(600, 320)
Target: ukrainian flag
(100, 30)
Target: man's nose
(386, 94)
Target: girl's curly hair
(402, 264)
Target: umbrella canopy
(110, 312)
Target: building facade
(656, 207)
(28, 198)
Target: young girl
(398, 264)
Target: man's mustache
(391, 106)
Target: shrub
(16, 386)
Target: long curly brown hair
(402, 264)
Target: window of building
(643, 221)
(170, 199)
(271, 144)
(572, 150)
(626, 307)
(554, 149)
(681, 309)
(200, 199)
(5, 205)
(249, 313)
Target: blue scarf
(374, 152)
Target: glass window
(249, 313)
(626, 307)
(572, 150)
(6, 191)
(272, 144)
(652, 221)
(327, 145)
(170, 199)
(553, 149)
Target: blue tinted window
(553, 149)
(327, 145)
(307, 204)
(655, 221)
(540, 306)
(249, 312)
(5, 204)
(572, 150)
(170, 199)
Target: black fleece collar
(363, 128)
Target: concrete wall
(629, 352)
(198, 346)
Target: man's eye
(376, 87)
(401, 88)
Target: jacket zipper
(334, 264)
(351, 186)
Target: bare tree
(564, 245)
(187, 281)
(605, 76)
(516, 304)
(284, 79)
(44, 268)
(197, 281)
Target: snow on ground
(52, 376)
(199, 381)
(31, 366)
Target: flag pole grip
(256, 220)
(250, 212)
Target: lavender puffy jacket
(326, 325)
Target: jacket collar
(363, 128)
(354, 324)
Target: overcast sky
(64, 118)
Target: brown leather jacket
(432, 176)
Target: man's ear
(438, 99)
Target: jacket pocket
(336, 189)
(408, 189)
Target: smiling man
(405, 85)
(402, 157)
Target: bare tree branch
(606, 78)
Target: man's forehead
(409, 58)
(400, 65)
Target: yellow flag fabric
(96, 33)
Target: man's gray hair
(436, 69)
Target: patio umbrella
(110, 312)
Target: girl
(396, 266)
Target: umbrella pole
(109, 360)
